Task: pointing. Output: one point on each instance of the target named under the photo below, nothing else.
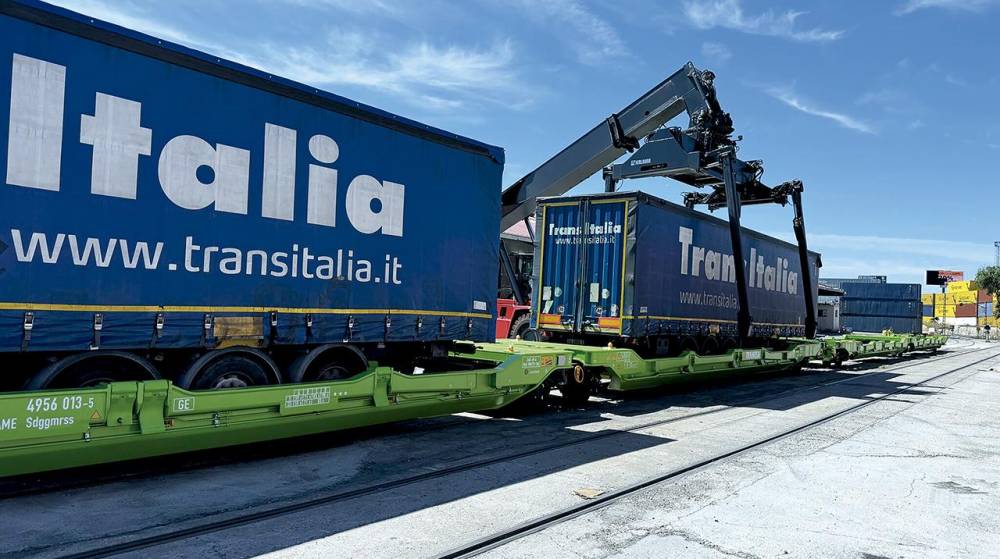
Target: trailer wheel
(729, 343)
(531, 335)
(520, 326)
(85, 370)
(236, 367)
(710, 346)
(687, 343)
(328, 362)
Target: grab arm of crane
(686, 90)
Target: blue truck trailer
(633, 267)
(168, 213)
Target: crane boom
(687, 89)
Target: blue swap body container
(631, 265)
(876, 324)
(881, 291)
(158, 196)
(874, 307)
(878, 307)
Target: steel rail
(502, 538)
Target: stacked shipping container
(873, 306)
(962, 304)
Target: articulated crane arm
(686, 90)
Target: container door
(558, 292)
(604, 258)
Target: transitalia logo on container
(592, 234)
(714, 265)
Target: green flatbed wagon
(56, 429)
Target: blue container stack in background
(871, 306)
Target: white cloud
(708, 14)
(592, 39)
(132, 17)
(440, 77)
(955, 80)
(386, 7)
(717, 52)
(790, 98)
(434, 77)
(911, 6)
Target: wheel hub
(332, 372)
(231, 380)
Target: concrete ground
(915, 475)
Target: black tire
(520, 326)
(531, 335)
(687, 343)
(230, 371)
(711, 346)
(329, 371)
(729, 343)
(333, 364)
(88, 370)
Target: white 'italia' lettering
(34, 141)
(719, 266)
(322, 206)
(193, 173)
(278, 198)
(118, 141)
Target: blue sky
(886, 109)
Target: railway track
(212, 526)
(504, 537)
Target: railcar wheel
(575, 386)
(838, 361)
